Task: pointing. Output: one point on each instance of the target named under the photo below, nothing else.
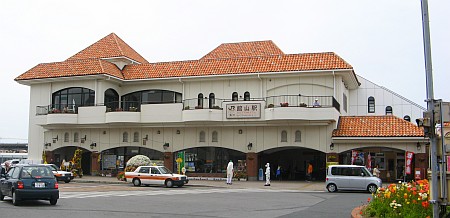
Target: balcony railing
(58, 109)
(302, 101)
(203, 103)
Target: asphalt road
(98, 201)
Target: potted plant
(270, 106)
(284, 104)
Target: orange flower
(425, 204)
(405, 196)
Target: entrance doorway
(293, 162)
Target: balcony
(299, 107)
(282, 107)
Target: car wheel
(2, 197)
(53, 201)
(332, 188)
(15, 201)
(67, 180)
(136, 182)
(372, 188)
(169, 183)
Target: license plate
(39, 185)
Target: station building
(248, 102)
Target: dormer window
(371, 104)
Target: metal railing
(302, 101)
(203, 103)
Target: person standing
(5, 170)
(309, 172)
(230, 170)
(267, 175)
(278, 173)
(376, 171)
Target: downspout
(182, 89)
(96, 92)
(334, 84)
(260, 86)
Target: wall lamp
(144, 140)
(55, 139)
(249, 146)
(240, 131)
(165, 146)
(83, 139)
(331, 146)
(419, 146)
(93, 145)
(47, 145)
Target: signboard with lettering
(243, 110)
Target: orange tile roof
(228, 58)
(244, 49)
(71, 68)
(376, 126)
(275, 63)
(108, 47)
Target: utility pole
(430, 108)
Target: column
(168, 160)
(252, 166)
(95, 165)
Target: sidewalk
(277, 185)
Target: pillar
(168, 160)
(252, 166)
(95, 164)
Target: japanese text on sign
(244, 110)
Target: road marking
(67, 195)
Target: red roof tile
(376, 126)
(71, 68)
(244, 49)
(275, 63)
(108, 47)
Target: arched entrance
(293, 162)
(66, 154)
(114, 160)
(210, 161)
(390, 161)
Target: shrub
(137, 161)
(408, 200)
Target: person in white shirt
(230, 170)
(376, 172)
(267, 175)
(316, 103)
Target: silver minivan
(351, 177)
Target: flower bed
(408, 200)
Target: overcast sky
(381, 39)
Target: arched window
(202, 137)
(371, 104)
(212, 100)
(407, 118)
(389, 110)
(66, 137)
(111, 100)
(136, 137)
(75, 137)
(234, 96)
(215, 136)
(284, 136)
(200, 101)
(298, 136)
(125, 137)
(69, 99)
(246, 96)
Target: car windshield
(37, 172)
(164, 170)
(53, 167)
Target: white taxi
(155, 175)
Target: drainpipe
(334, 84)
(260, 87)
(182, 89)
